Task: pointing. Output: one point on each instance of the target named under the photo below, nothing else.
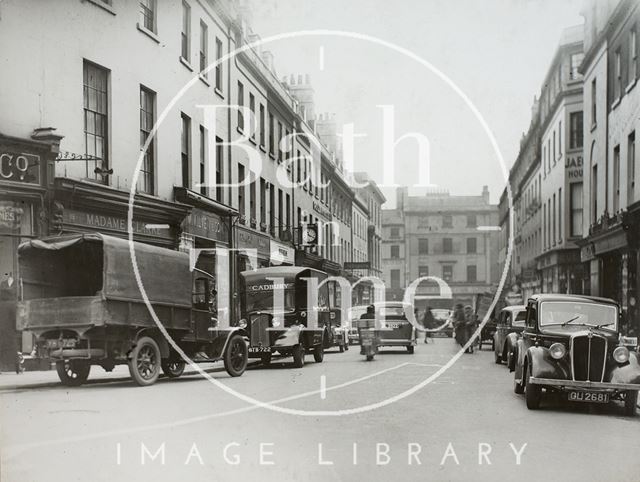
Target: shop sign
(320, 209)
(281, 253)
(357, 265)
(250, 240)
(573, 167)
(10, 216)
(206, 225)
(102, 222)
(19, 167)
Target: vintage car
(81, 299)
(397, 329)
(572, 344)
(509, 325)
(443, 319)
(294, 328)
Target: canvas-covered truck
(81, 299)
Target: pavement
(342, 419)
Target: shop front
(24, 168)
(249, 243)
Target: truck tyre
(144, 362)
(630, 402)
(298, 356)
(236, 356)
(172, 369)
(318, 353)
(73, 373)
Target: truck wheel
(144, 362)
(73, 373)
(532, 395)
(236, 356)
(298, 356)
(630, 402)
(410, 349)
(318, 353)
(172, 369)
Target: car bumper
(583, 384)
(393, 342)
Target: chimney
(327, 130)
(401, 196)
(485, 194)
(301, 89)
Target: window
(185, 150)
(618, 75)
(279, 141)
(423, 271)
(241, 194)
(95, 106)
(148, 14)
(272, 207)
(447, 221)
(263, 202)
(447, 245)
(447, 272)
(593, 102)
(575, 192)
(395, 251)
(575, 125)
(271, 134)
(395, 278)
(204, 48)
(633, 55)
(262, 125)
(186, 31)
(203, 155)
(218, 64)
(147, 102)
(631, 167)
(252, 201)
(576, 60)
(553, 225)
(472, 221)
(560, 139)
(252, 120)
(280, 209)
(594, 194)
(616, 179)
(560, 215)
(472, 245)
(554, 148)
(240, 104)
(288, 213)
(472, 273)
(395, 232)
(219, 169)
(423, 246)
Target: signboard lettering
(20, 167)
(573, 166)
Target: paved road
(100, 432)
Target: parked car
(444, 319)
(572, 344)
(508, 329)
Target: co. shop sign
(19, 167)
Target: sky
(496, 52)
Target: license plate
(591, 397)
(259, 349)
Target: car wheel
(496, 357)
(236, 356)
(318, 353)
(298, 356)
(172, 369)
(411, 349)
(518, 387)
(73, 373)
(532, 395)
(630, 402)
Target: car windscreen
(441, 315)
(264, 300)
(553, 313)
(391, 312)
(519, 318)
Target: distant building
(445, 236)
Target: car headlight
(242, 323)
(621, 354)
(557, 351)
(276, 322)
(303, 314)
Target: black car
(508, 329)
(572, 344)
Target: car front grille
(259, 334)
(588, 357)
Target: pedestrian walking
(460, 324)
(470, 324)
(429, 323)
